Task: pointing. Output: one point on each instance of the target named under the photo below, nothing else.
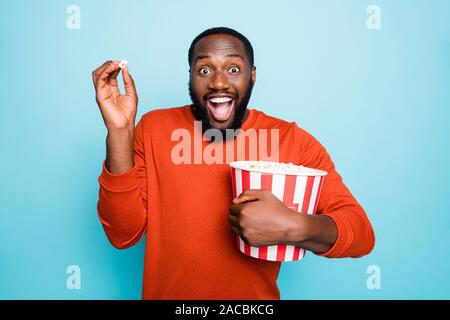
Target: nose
(219, 82)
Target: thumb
(247, 196)
(128, 82)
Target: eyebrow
(233, 55)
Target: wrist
(120, 137)
(120, 151)
(298, 230)
(128, 130)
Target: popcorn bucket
(297, 186)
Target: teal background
(378, 100)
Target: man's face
(221, 82)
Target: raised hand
(118, 110)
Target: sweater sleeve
(356, 237)
(122, 202)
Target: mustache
(213, 94)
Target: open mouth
(221, 108)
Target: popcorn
(298, 187)
(277, 168)
(122, 64)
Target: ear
(254, 75)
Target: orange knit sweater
(190, 250)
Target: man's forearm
(120, 151)
(315, 233)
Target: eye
(234, 70)
(204, 71)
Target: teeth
(220, 99)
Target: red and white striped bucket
(299, 191)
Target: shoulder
(264, 120)
(302, 139)
(161, 122)
(165, 114)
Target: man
(184, 208)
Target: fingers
(248, 195)
(103, 78)
(107, 74)
(97, 71)
(236, 230)
(128, 82)
(101, 75)
(235, 210)
(233, 220)
(113, 84)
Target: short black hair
(223, 30)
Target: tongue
(220, 111)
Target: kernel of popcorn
(122, 64)
(280, 168)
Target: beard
(201, 113)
